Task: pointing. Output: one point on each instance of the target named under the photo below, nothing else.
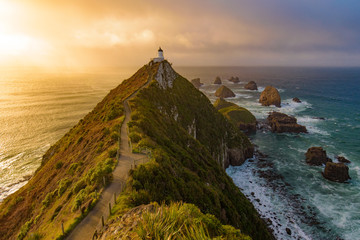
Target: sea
(37, 107)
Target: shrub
(59, 164)
(36, 236)
(134, 137)
(63, 185)
(79, 185)
(112, 152)
(56, 212)
(115, 136)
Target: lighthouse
(160, 57)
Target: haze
(111, 33)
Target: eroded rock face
(165, 75)
(217, 80)
(251, 86)
(196, 82)
(270, 96)
(316, 156)
(234, 79)
(236, 157)
(280, 122)
(224, 92)
(337, 172)
(295, 99)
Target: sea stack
(297, 100)
(337, 172)
(224, 92)
(217, 80)
(251, 86)
(270, 96)
(316, 156)
(196, 82)
(280, 122)
(234, 79)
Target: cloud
(110, 32)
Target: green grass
(234, 113)
(184, 168)
(183, 221)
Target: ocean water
(285, 190)
(37, 108)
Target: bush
(112, 152)
(134, 137)
(59, 164)
(35, 236)
(79, 185)
(63, 185)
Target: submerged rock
(251, 86)
(342, 159)
(217, 80)
(224, 92)
(196, 82)
(295, 99)
(234, 79)
(280, 122)
(316, 156)
(270, 96)
(337, 172)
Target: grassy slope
(183, 168)
(71, 176)
(234, 113)
(174, 221)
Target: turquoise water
(37, 108)
(286, 191)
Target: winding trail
(86, 228)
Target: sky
(114, 33)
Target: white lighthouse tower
(160, 57)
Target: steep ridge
(71, 178)
(190, 143)
(92, 222)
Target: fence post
(62, 228)
(104, 180)
(115, 195)
(102, 221)
(109, 209)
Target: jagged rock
(342, 159)
(337, 172)
(196, 82)
(234, 79)
(270, 96)
(239, 116)
(251, 86)
(236, 156)
(217, 80)
(280, 122)
(288, 231)
(165, 75)
(316, 156)
(295, 99)
(224, 92)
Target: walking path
(86, 228)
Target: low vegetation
(239, 116)
(186, 136)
